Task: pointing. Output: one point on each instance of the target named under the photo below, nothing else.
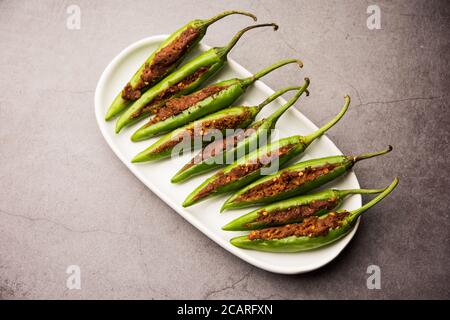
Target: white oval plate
(205, 215)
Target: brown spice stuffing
(288, 180)
(219, 145)
(295, 213)
(177, 105)
(169, 144)
(240, 171)
(162, 61)
(227, 122)
(158, 101)
(131, 94)
(310, 227)
(203, 128)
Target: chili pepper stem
(311, 137)
(248, 81)
(344, 193)
(275, 96)
(356, 213)
(223, 51)
(221, 15)
(279, 112)
(372, 154)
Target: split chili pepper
(294, 209)
(179, 111)
(164, 60)
(249, 168)
(314, 232)
(183, 81)
(295, 180)
(204, 129)
(239, 144)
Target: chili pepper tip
(187, 203)
(141, 157)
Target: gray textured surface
(66, 199)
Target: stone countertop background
(66, 199)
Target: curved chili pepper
(160, 63)
(294, 209)
(247, 169)
(241, 143)
(179, 111)
(182, 81)
(311, 234)
(295, 180)
(203, 129)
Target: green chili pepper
(294, 209)
(295, 180)
(237, 145)
(161, 62)
(195, 133)
(249, 168)
(179, 111)
(311, 234)
(182, 81)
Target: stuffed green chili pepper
(314, 232)
(261, 161)
(179, 111)
(231, 148)
(295, 180)
(196, 133)
(164, 60)
(294, 210)
(185, 80)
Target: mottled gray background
(66, 199)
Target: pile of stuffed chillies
(291, 217)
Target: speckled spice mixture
(162, 61)
(221, 145)
(286, 181)
(177, 105)
(205, 128)
(295, 213)
(241, 171)
(310, 227)
(159, 100)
